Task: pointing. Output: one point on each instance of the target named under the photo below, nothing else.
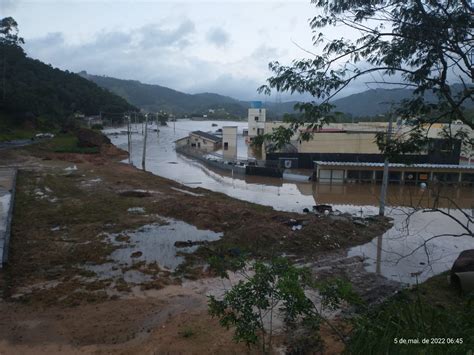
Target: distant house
(200, 140)
(93, 120)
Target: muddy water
(155, 243)
(403, 254)
(150, 244)
(353, 198)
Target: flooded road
(396, 255)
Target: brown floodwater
(281, 194)
(400, 254)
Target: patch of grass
(121, 285)
(10, 134)
(187, 332)
(10, 129)
(432, 311)
(154, 284)
(78, 150)
(86, 273)
(67, 143)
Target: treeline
(31, 90)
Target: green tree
(423, 44)
(162, 118)
(276, 290)
(8, 37)
(9, 32)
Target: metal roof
(206, 135)
(181, 139)
(394, 165)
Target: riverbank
(74, 211)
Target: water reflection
(410, 251)
(397, 195)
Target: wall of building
(435, 156)
(256, 121)
(202, 143)
(182, 142)
(343, 142)
(229, 142)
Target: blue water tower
(256, 104)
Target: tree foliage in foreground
(275, 292)
(419, 44)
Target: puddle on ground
(156, 243)
(149, 244)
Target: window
(226, 146)
(447, 147)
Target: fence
(242, 166)
(214, 160)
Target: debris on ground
(137, 210)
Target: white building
(229, 142)
(256, 121)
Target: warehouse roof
(208, 136)
(394, 165)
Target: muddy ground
(72, 212)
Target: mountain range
(155, 98)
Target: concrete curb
(6, 245)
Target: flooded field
(399, 255)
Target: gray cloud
(267, 53)
(7, 5)
(154, 35)
(153, 55)
(218, 36)
(125, 55)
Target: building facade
(257, 117)
(200, 140)
(229, 142)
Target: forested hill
(36, 90)
(156, 97)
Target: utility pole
(383, 192)
(144, 141)
(129, 136)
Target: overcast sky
(191, 46)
